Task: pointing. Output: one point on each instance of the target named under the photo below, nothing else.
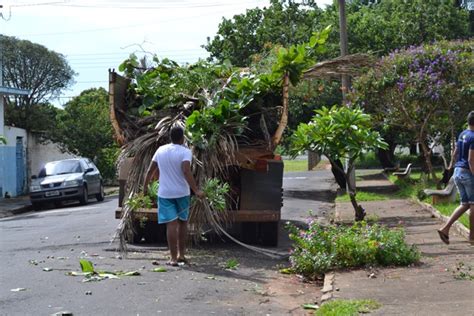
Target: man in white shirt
(171, 165)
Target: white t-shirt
(170, 158)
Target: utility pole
(346, 82)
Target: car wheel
(100, 196)
(85, 196)
(36, 206)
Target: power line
(124, 26)
(171, 6)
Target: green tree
(376, 26)
(339, 133)
(284, 23)
(43, 72)
(84, 129)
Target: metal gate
(20, 166)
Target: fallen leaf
(86, 266)
(286, 271)
(159, 269)
(18, 289)
(131, 273)
(310, 306)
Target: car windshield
(60, 167)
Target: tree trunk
(336, 168)
(427, 156)
(359, 210)
(284, 115)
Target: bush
(106, 162)
(320, 249)
(368, 160)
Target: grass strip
(363, 197)
(347, 307)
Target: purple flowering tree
(424, 91)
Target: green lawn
(301, 165)
(363, 197)
(295, 165)
(347, 307)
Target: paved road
(58, 238)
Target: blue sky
(97, 35)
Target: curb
(328, 287)
(461, 229)
(12, 212)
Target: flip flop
(444, 238)
(183, 260)
(172, 263)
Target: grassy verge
(295, 165)
(363, 197)
(347, 307)
(302, 165)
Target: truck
(256, 185)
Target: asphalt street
(39, 249)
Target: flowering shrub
(320, 249)
(424, 92)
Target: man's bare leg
(461, 209)
(182, 236)
(172, 236)
(471, 224)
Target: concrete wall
(40, 152)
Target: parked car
(70, 179)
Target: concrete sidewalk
(21, 204)
(435, 287)
(13, 206)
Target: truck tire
(269, 234)
(155, 233)
(138, 233)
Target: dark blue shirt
(465, 143)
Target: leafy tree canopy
(84, 129)
(283, 23)
(376, 26)
(33, 67)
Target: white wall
(40, 153)
(11, 133)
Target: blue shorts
(464, 180)
(172, 209)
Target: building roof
(14, 91)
